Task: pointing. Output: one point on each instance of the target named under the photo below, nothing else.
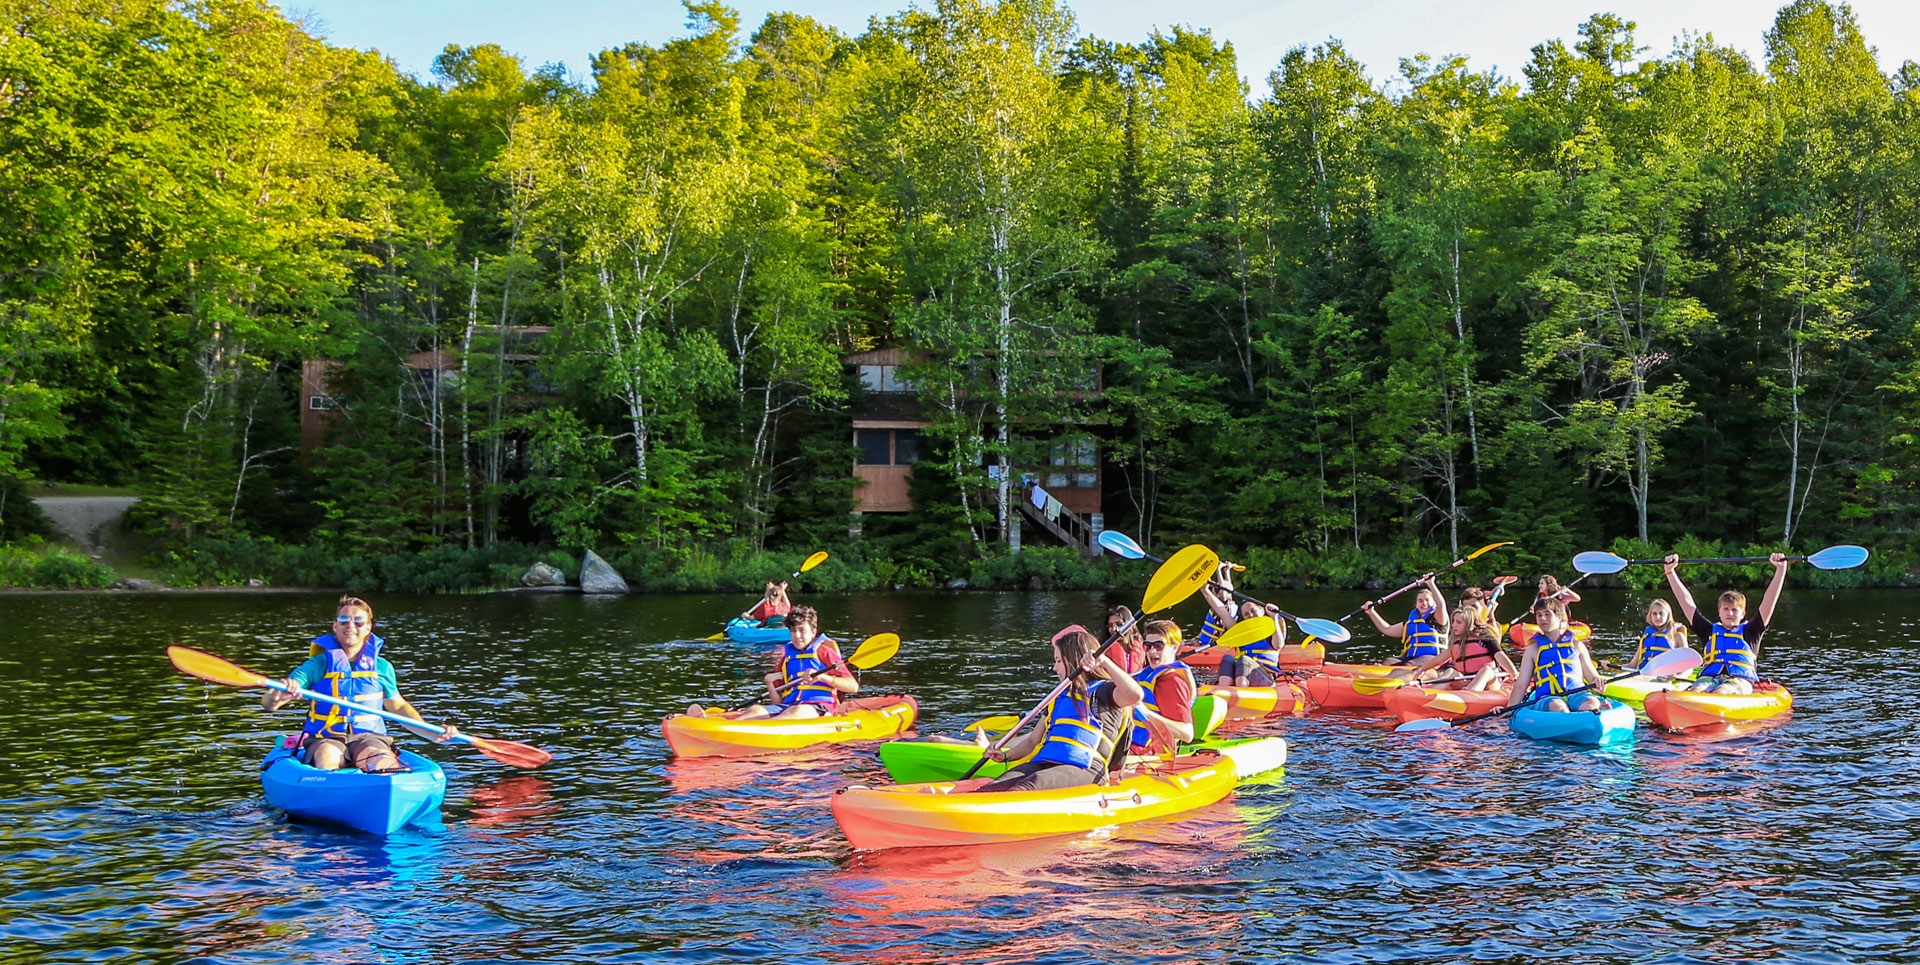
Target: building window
(320, 403)
(883, 378)
(906, 447)
(1072, 463)
(874, 445)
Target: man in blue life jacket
(1732, 646)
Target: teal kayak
(1613, 722)
(928, 762)
(743, 630)
(375, 803)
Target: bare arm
(1440, 605)
(1680, 594)
(1380, 623)
(1521, 676)
(1217, 601)
(1767, 602)
(399, 705)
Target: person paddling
(808, 679)
(348, 665)
(1125, 650)
(774, 606)
(1473, 651)
(1164, 717)
(1732, 646)
(1085, 728)
(1661, 634)
(1555, 664)
(1420, 629)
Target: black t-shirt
(1702, 629)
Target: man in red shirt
(1165, 717)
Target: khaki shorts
(361, 749)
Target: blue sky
(1499, 33)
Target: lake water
(132, 827)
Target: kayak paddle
(1456, 564)
(872, 652)
(1176, 579)
(812, 561)
(1121, 545)
(206, 666)
(1844, 557)
(1672, 663)
(1375, 685)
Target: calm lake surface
(132, 827)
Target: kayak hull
(1680, 710)
(1418, 703)
(860, 719)
(1339, 693)
(946, 814)
(1305, 657)
(923, 762)
(1249, 703)
(374, 803)
(1612, 723)
(741, 630)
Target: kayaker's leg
(1556, 705)
(756, 712)
(1040, 777)
(1484, 678)
(800, 712)
(373, 753)
(1257, 676)
(1734, 685)
(1592, 703)
(324, 753)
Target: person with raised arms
(347, 664)
(1163, 719)
(1085, 727)
(1662, 633)
(1550, 589)
(1732, 646)
(1555, 664)
(809, 676)
(1420, 629)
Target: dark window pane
(906, 447)
(873, 446)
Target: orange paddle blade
(511, 752)
(206, 666)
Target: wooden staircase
(1070, 528)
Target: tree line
(1626, 298)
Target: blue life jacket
(1422, 639)
(356, 680)
(1729, 654)
(1142, 737)
(795, 662)
(1556, 669)
(1654, 643)
(1210, 631)
(1073, 735)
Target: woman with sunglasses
(1164, 716)
(347, 664)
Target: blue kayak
(1612, 723)
(376, 803)
(743, 630)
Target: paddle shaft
(362, 708)
(1530, 701)
(1456, 564)
(1233, 591)
(795, 683)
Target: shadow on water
(135, 828)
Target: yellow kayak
(859, 719)
(945, 814)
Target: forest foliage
(1354, 322)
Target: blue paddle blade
(1119, 544)
(1326, 630)
(1424, 723)
(1598, 563)
(1839, 557)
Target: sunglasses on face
(356, 621)
(1155, 644)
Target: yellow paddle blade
(1003, 722)
(717, 636)
(813, 561)
(206, 666)
(1490, 547)
(875, 650)
(1448, 703)
(1181, 576)
(1374, 685)
(1248, 631)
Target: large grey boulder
(541, 574)
(598, 576)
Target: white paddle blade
(1598, 564)
(1119, 544)
(1673, 663)
(1839, 557)
(1424, 723)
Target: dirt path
(85, 519)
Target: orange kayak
(1339, 693)
(1417, 703)
(1358, 669)
(1681, 710)
(1246, 703)
(859, 719)
(945, 814)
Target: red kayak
(1248, 703)
(1416, 703)
(1341, 693)
(1308, 657)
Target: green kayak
(926, 762)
